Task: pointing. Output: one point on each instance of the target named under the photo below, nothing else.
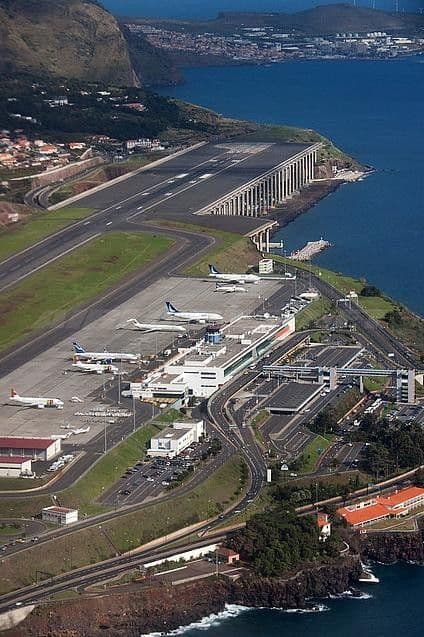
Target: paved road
(382, 340)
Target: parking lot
(148, 478)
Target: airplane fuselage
(133, 324)
(39, 403)
(237, 278)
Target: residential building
(324, 526)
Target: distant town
(270, 44)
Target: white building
(35, 448)
(14, 466)
(212, 362)
(266, 266)
(59, 515)
(171, 441)
(160, 386)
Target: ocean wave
(316, 608)
(230, 611)
(349, 594)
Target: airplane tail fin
(212, 269)
(77, 348)
(171, 308)
(13, 393)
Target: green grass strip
(39, 226)
(120, 534)
(312, 452)
(45, 297)
(375, 306)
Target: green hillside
(68, 38)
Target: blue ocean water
(374, 111)
(393, 607)
(206, 9)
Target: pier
(310, 250)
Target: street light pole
(133, 399)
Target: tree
(370, 290)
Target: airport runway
(174, 189)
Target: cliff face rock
(293, 592)
(393, 547)
(164, 608)
(67, 38)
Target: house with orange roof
(395, 505)
(324, 526)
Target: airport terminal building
(224, 352)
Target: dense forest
(391, 445)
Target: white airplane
(231, 277)
(61, 436)
(309, 296)
(196, 317)
(76, 399)
(96, 368)
(229, 288)
(81, 430)
(150, 327)
(105, 355)
(30, 401)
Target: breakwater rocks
(162, 608)
(393, 547)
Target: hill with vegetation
(326, 19)
(66, 38)
(75, 39)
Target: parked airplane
(231, 277)
(309, 296)
(40, 403)
(81, 430)
(95, 368)
(151, 327)
(105, 355)
(197, 317)
(229, 288)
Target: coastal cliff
(393, 547)
(164, 608)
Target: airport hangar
(228, 186)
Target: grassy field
(230, 252)
(46, 297)
(12, 484)
(38, 226)
(312, 312)
(312, 452)
(375, 306)
(256, 423)
(88, 546)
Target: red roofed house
(324, 526)
(227, 556)
(59, 515)
(396, 505)
(35, 448)
(48, 149)
(14, 466)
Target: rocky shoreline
(162, 608)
